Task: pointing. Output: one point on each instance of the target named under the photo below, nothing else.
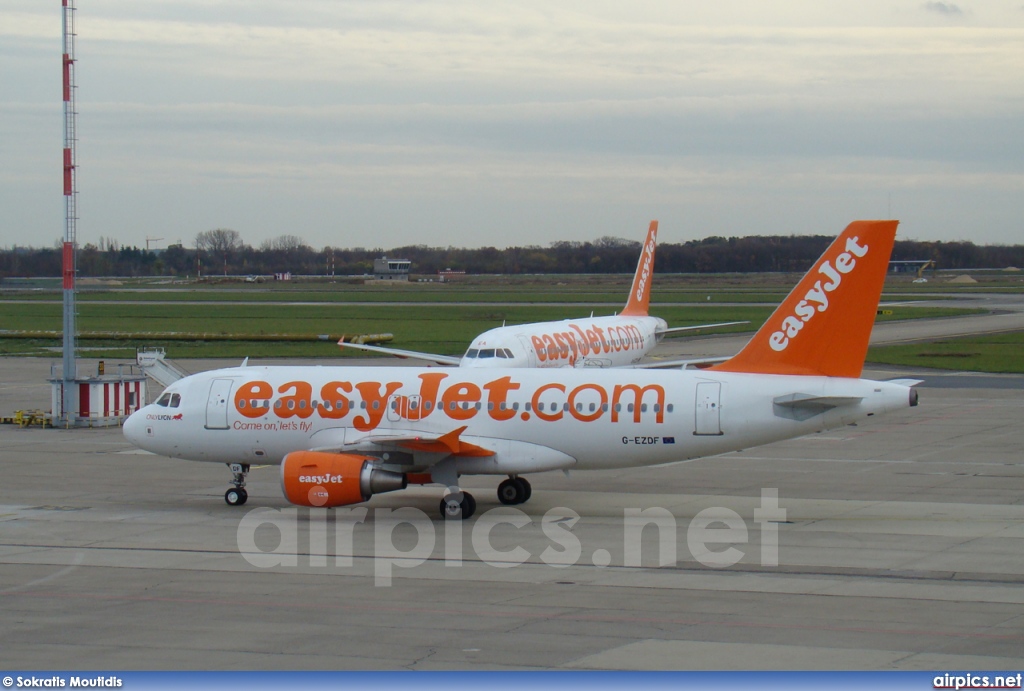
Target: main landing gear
(515, 490)
(458, 505)
(461, 505)
(236, 496)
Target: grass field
(992, 353)
(430, 317)
(445, 329)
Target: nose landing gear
(236, 496)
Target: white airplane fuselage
(615, 341)
(530, 421)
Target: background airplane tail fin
(640, 294)
(824, 324)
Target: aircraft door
(531, 356)
(408, 407)
(217, 404)
(394, 414)
(708, 418)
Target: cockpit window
(501, 352)
(508, 354)
(472, 353)
(169, 400)
(487, 352)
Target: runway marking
(79, 558)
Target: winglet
(824, 324)
(640, 295)
(448, 443)
(451, 439)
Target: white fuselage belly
(681, 414)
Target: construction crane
(149, 240)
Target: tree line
(222, 252)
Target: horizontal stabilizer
(906, 382)
(806, 400)
(803, 406)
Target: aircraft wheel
(528, 491)
(515, 490)
(510, 492)
(454, 510)
(236, 496)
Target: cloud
(947, 9)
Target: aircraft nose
(134, 428)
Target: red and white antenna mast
(69, 399)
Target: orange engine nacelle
(314, 478)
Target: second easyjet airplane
(621, 340)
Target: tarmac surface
(901, 547)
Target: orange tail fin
(640, 295)
(823, 325)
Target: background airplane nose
(134, 427)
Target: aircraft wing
(662, 332)
(698, 363)
(396, 352)
(449, 444)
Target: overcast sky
(467, 123)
